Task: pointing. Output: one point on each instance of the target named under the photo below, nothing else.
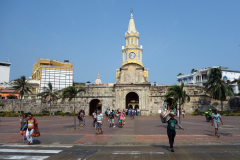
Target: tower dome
(98, 80)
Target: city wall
(153, 96)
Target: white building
(200, 77)
(4, 72)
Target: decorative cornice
(131, 36)
(132, 48)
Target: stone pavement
(143, 130)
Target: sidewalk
(142, 130)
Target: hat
(172, 113)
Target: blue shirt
(216, 118)
(99, 118)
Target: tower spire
(131, 26)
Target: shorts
(216, 124)
(111, 120)
(120, 121)
(99, 125)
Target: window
(127, 42)
(131, 40)
(125, 57)
(139, 56)
(33, 90)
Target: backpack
(111, 115)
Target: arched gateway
(95, 104)
(132, 100)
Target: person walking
(177, 112)
(216, 118)
(106, 113)
(111, 118)
(99, 122)
(83, 111)
(31, 122)
(81, 116)
(94, 116)
(183, 112)
(133, 114)
(120, 119)
(117, 117)
(171, 132)
(23, 128)
(174, 110)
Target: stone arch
(95, 104)
(169, 103)
(132, 98)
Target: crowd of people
(29, 125)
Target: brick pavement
(141, 130)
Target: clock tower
(132, 70)
(132, 52)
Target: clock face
(132, 55)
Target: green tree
(49, 94)
(216, 87)
(71, 93)
(178, 95)
(20, 85)
(179, 74)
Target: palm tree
(71, 93)
(216, 87)
(49, 94)
(20, 85)
(193, 70)
(178, 95)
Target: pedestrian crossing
(30, 152)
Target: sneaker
(113, 126)
(102, 132)
(172, 150)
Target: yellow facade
(132, 52)
(43, 63)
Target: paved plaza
(143, 130)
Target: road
(77, 152)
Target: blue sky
(176, 35)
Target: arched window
(131, 40)
(139, 56)
(135, 41)
(125, 56)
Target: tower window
(136, 41)
(139, 56)
(125, 56)
(131, 40)
(127, 42)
